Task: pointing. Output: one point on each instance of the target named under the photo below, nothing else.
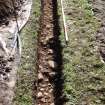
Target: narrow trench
(51, 77)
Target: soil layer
(49, 60)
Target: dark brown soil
(49, 60)
(99, 10)
(6, 81)
(45, 88)
(8, 8)
(4, 68)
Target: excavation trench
(49, 56)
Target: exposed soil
(8, 62)
(99, 11)
(49, 60)
(8, 8)
(7, 79)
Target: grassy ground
(83, 71)
(27, 72)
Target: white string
(16, 42)
(64, 21)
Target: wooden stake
(64, 23)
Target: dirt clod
(43, 100)
(40, 76)
(40, 95)
(45, 62)
(51, 64)
(52, 104)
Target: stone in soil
(40, 76)
(43, 100)
(46, 94)
(40, 95)
(52, 104)
(51, 64)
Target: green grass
(27, 71)
(84, 73)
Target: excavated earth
(7, 79)
(9, 62)
(8, 8)
(99, 11)
(45, 55)
(49, 60)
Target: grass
(84, 73)
(27, 71)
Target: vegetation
(84, 72)
(27, 71)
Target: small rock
(51, 64)
(45, 93)
(40, 95)
(11, 84)
(46, 80)
(52, 74)
(43, 85)
(52, 104)
(43, 100)
(48, 26)
(40, 76)
(40, 66)
(50, 90)
(50, 51)
(41, 89)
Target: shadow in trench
(58, 79)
